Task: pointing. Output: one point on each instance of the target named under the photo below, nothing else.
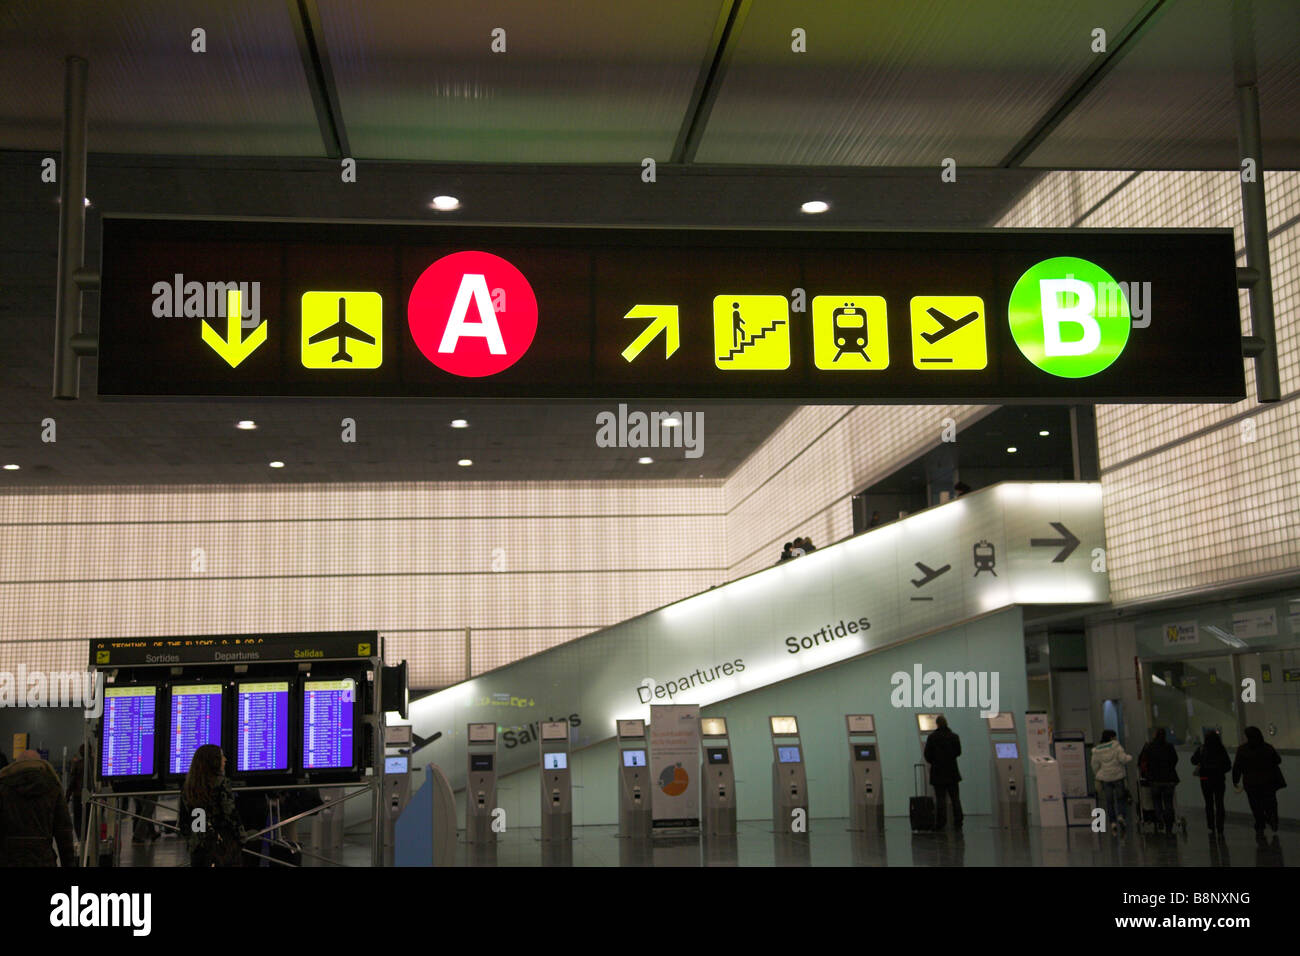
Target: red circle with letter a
(472, 314)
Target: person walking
(1212, 765)
(34, 817)
(1157, 761)
(942, 748)
(1259, 768)
(1110, 770)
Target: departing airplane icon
(341, 330)
(948, 325)
(929, 574)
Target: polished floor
(829, 843)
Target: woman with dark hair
(1157, 761)
(1212, 764)
(213, 836)
(1259, 767)
(1109, 770)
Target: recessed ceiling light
(814, 206)
(671, 422)
(465, 462)
(445, 203)
(11, 467)
(246, 425)
(645, 460)
(1044, 433)
(277, 464)
(459, 423)
(1011, 449)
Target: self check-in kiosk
(557, 788)
(634, 817)
(480, 782)
(866, 789)
(1008, 777)
(789, 779)
(719, 818)
(397, 783)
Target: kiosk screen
(195, 721)
(633, 758)
(397, 765)
(785, 726)
(864, 751)
(327, 714)
(787, 754)
(262, 726)
(713, 726)
(480, 762)
(557, 760)
(127, 729)
(718, 755)
(1008, 751)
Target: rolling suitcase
(285, 852)
(920, 808)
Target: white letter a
(486, 327)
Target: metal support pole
(1253, 210)
(469, 670)
(72, 230)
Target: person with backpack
(1109, 769)
(1157, 760)
(942, 748)
(215, 836)
(1212, 765)
(1259, 767)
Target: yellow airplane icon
(342, 330)
(948, 332)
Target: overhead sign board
(233, 648)
(264, 309)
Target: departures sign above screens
(265, 309)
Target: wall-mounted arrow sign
(1066, 542)
(665, 319)
(233, 348)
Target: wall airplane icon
(342, 330)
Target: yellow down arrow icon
(232, 348)
(665, 319)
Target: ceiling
(554, 130)
(988, 83)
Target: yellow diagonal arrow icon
(665, 319)
(232, 348)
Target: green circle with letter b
(1069, 317)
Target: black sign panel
(261, 309)
(233, 648)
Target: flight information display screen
(127, 731)
(633, 758)
(787, 754)
(195, 721)
(327, 717)
(231, 308)
(262, 726)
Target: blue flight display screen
(787, 754)
(327, 707)
(128, 731)
(262, 724)
(196, 720)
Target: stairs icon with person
(751, 332)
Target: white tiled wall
(416, 559)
